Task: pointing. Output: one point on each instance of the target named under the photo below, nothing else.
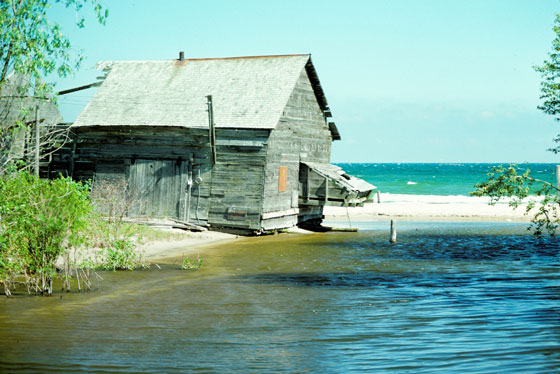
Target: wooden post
(393, 231)
(72, 160)
(187, 211)
(558, 178)
(37, 140)
(307, 184)
(378, 197)
(326, 190)
(211, 129)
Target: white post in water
(393, 231)
(378, 197)
(558, 178)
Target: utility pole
(37, 140)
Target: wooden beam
(70, 90)
(211, 129)
(73, 159)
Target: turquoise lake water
(433, 179)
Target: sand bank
(430, 211)
(183, 243)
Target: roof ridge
(209, 58)
(250, 57)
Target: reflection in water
(446, 298)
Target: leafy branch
(508, 182)
(32, 45)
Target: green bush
(190, 265)
(40, 220)
(121, 256)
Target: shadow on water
(450, 260)
(375, 279)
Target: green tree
(32, 47)
(550, 84)
(41, 221)
(516, 184)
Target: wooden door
(157, 187)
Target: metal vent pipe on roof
(181, 56)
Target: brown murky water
(449, 298)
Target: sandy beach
(183, 243)
(429, 211)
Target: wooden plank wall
(58, 160)
(313, 189)
(301, 135)
(170, 151)
(158, 187)
(238, 178)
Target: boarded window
(282, 178)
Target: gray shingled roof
(247, 92)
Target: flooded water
(447, 297)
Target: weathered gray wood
(211, 129)
(156, 184)
(240, 143)
(281, 222)
(393, 237)
(164, 190)
(240, 189)
(301, 134)
(310, 213)
(238, 182)
(188, 226)
(37, 141)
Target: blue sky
(407, 81)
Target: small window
(282, 179)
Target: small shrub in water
(121, 256)
(190, 265)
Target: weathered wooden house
(22, 118)
(229, 143)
